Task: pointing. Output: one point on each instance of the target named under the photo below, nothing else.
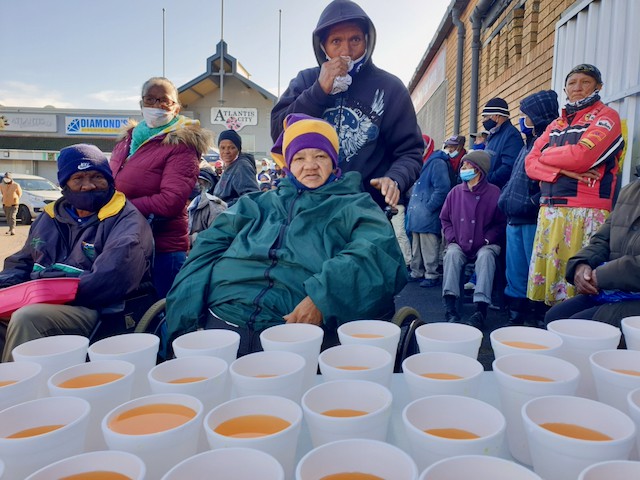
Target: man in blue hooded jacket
(370, 109)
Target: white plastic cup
(21, 380)
(616, 373)
(581, 338)
(355, 395)
(162, 450)
(102, 398)
(24, 456)
(516, 391)
(357, 455)
(304, 339)
(209, 343)
(631, 330)
(141, 349)
(468, 369)
(612, 470)
(357, 362)
(228, 464)
(281, 445)
(449, 337)
(377, 333)
(452, 412)
(633, 404)
(110, 461)
(560, 457)
(477, 467)
(519, 339)
(53, 353)
(210, 372)
(268, 373)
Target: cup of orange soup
(161, 429)
(344, 409)
(519, 339)
(209, 343)
(444, 426)
(19, 382)
(265, 422)
(229, 464)
(633, 404)
(39, 432)
(523, 376)
(141, 349)
(304, 339)
(378, 333)
(357, 362)
(477, 467)
(581, 338)
(442, 373)
(567, 434)
(631, 329)
(611, 470)
(356, 459)
(53, 353)
(615, 373)
(105, 384)
(449, 337)
(100, 465)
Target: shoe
(413, 279)
(13, 233)
(451, 317)
(475, 320)
(469, 286)
(430, 282)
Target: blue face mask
(479, 146)
(524, 128)
(467, 174)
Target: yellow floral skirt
(561, 233)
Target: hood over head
(340, 11)
(542, 108)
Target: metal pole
(279, 46)
(222, 49)
(163, 43)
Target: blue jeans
(165, 269)
(518, 257)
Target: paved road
(10, 244)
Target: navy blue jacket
(504, 145)
(429, 193)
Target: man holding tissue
(370, 109)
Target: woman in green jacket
(315, 250)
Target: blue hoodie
(374, 118)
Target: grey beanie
(480, 159)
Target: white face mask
(6, 180)
(156, 117)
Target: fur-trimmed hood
(191, 134)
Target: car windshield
(36, 184)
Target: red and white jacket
(591, 139)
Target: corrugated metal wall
(605, 33)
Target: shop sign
(27, 122)
(234, 118)
(94, 125)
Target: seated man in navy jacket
(91, 232)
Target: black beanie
(587, 69)
(81, 158)
(233, 136)
(496, 106)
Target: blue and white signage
(94, 125)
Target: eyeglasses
(150, 101)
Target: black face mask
(91, 201)
(489, 124)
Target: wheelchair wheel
(153, 318)
(408, 319)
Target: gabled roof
(209, 81)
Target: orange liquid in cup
(351, 476)
(264, 375)
(153, 418)
(35, 431)
(252, 426)
(4, 383)
(527, 345)
(452, 433)
(352, 367)
(344, 412)
(90, 380)
(441, 376)
(97, 475)
(366, 335)
(534, 378)
(188, 380)
(627, 372)
(576, 431)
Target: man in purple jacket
(473, 228)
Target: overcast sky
(97, 53)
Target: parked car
(36, 193)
